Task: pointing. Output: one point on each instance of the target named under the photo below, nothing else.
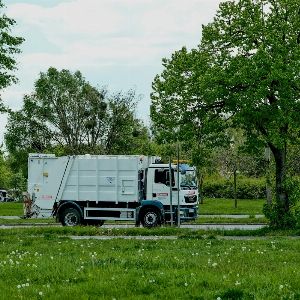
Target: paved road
(154, 237)
(199, 216)
(192, 227)
(201, 226)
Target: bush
(247, 188)
(276, 212)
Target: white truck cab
(158, 188)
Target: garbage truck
(91, 189)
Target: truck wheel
(70, 217)
(151, 218)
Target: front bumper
(188, 213)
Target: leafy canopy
(246, 69)
(245, 72)
(9, 46)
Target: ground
(47, 263)
(52, 266)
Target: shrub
(276, 212)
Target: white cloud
(118, 29)
(96, 35)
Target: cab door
(161, 185)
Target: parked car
(4, 196)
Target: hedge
(246, 188)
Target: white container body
(82, 178)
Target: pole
(234, 188)
(178, 186)
(170, 179)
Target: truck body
(91, 189)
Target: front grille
(190, 199)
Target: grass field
(216, 220)
(214, 206)
(210, 206)
(11, 209)
(48, 266)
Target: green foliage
(246, 188)
(9, 46)
(5, 173)
(293, 166)
(124, 133)
(64, 110)
(278, 217)
(17, 185)
(244, 71)
(276, 212)
(66, 115)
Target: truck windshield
(188, 180)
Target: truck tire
(151, 218)
(70, 217)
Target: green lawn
(51, 267)
(198, 221)
(216, 220)
(11, 209)
(214, 206)
(26, 221)
(210, 206)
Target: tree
(70, 109)
(9, 46)
(254, 46)
(175, 113)
(66, 115)
(177, 94)
(64, 111)
(5, 172)
(246, 70)
(17, 186)
(125, 134)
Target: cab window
(162, 176)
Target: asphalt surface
(190, 226)
(199, 216)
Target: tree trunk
(280, 161)
(268, 177)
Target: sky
(114, 43)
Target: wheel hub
(71, 219)
(150, 218)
